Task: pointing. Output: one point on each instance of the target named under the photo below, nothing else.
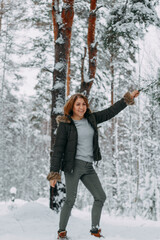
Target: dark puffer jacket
(64, 151)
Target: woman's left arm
(104, 115)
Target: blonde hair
(68, 107)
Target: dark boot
(96, 232)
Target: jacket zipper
(76, 145)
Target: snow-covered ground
(35, 221)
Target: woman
(76, 148)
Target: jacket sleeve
(59, 148)
(104, 115)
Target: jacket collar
(68, 119)
(63, 118)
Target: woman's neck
(77, 118)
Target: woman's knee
(102, 198)
(70, 202)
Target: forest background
(130, 169)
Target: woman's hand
(53, 183)
(135, 93)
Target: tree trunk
(2, 110)
(68, 76)
(62, 36)
(1, 14)
(82, 69)
(112, 79)
(92, 48)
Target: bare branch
(94, 11)
(46, 70)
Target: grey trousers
(85, 172)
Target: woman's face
(79, 108)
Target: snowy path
(35, 221)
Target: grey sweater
(85, 140)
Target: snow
(59, 66)
(13, 190)
(59, 85)
(29, 81)
(60, 40)
(35, 221)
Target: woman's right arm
(57, 152)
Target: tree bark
(1, 14)
(92, 48)
(62, 23)
(68, 76)
(112, 80)
(82, 69)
